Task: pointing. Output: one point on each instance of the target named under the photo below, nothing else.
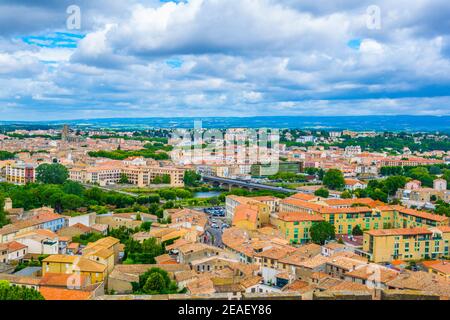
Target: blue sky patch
(354, 44)
(174, 63)
(54, 40)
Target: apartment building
(139, 175)
(407, 243)
(145, 175)
(256, 212)
(76, 265)
(20, 173)
(296, 216)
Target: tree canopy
(334, 179)
(322, 192)
(9, 292)
(322, 231)
(54, 173)
(155, 281)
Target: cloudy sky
(143, 58)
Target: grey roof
(28, 271)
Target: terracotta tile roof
(90, 266)
(375, 272)
(61, 258)
(399, 232)
(314, 207)
(106, 242)
(334, 245)
(38, 219)
(420, 214)
(348, 286)
(98, 252)
(443, 228)
(250, 281)
(201, 286)
(9, 228)
(245, 212)
(178, 243)
(164, 259)
(185, 275)
(15, 246)
(441, 266)
(313, 262)
(15, 279)
(64, 280)
(422, 281)
(348, 254)
(276, 253)
(64, 294)
(349, 202)
(352, 182)
(298, 286)
(74, 245)
(345, 263)
(299, 216)
(303, 196)
(265, 198)
(309, 249)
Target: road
(215, 235)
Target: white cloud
(238, 57)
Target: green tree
(155, 281)
(183, 194)
(168, 194)
(155, 284)
(123, 179)
(214, 201)
(346, 195)
(392, 184)
(322, 231)
(73, 187)
(191, 178)
(165, 179)
(153, 198)
(357, 231)
(54, 173)
(334, 179)
(5, 155)
(3, 219)
(8, 292)
(322, 192)
(145, 226)
(446, 176)
(71, 202)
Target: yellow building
(101, 255)
(296, 226)
(345, 214)
(109, 243)
(66, 264)
(97, 260)
(439, 267)
(20, 173)
(251, 216)
(407, 243)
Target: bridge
(230, 183)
